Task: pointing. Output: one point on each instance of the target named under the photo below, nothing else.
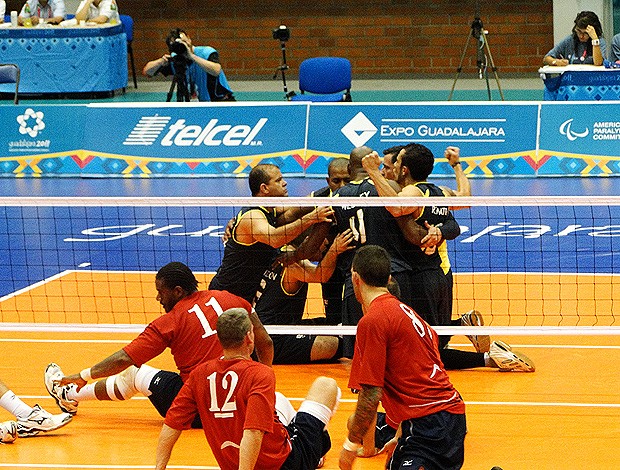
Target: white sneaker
(482, 343)
(53, 372)
(40, 420)
(8, 431)
(507, 359)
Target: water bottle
(14, 19)
(27, 14)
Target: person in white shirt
(50, 11)
(2, 10)
(98, 11)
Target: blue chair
(325, 79)
(9, 73)
(127, 22)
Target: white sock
(87, 392)
(13, 404)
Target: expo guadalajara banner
(147, 139)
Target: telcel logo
(212, 134)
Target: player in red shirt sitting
(397, 362)
(187, 328)
(236, 400)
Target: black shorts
(164, 388)
(351, 315)
(434, 442)
(309, 442)
(384, 433)
(292, 349)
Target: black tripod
(180, 81)
(483, 57)
(282, 69)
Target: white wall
(565, 11)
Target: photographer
(203, 74)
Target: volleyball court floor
(565, 415)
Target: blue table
(580, 82)
(57, 60)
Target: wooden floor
(566, 415)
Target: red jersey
(188, 330)
(396, 350)
(230, 396)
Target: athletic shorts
(384, 433)
(434, 442)
(164, 388)
(351, 315)
(309, 442)
(292, 349)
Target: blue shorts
(309, 440)
(433, 442)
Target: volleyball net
(528, 264)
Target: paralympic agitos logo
(149, 129)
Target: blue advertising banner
(41, 139)
(215, 139)
(579, 139)
(494, 140)
(192, 139)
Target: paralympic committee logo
(31, 122)
(359, 130)
(566, 129)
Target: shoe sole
(58, 401)
(481, 343)
(525, 364)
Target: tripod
(483, 57)
(282, 69)
(180, 81)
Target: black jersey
(372, 225)
(434, 215)
(276, 306)
(244, 264)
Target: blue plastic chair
(325, 79)
(9, 73)
(127, 22)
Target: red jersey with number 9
(396, 350)
(188, 330)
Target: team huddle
(384, 269)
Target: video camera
(281, 33)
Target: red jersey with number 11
(188, 330)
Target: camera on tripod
(178, 51)
(281, 33)
(181, 60)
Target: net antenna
(484, 58)
(283, 34)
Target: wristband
(457, 163)
(596, 42)
(350, 446)
(85, 375)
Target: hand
(321, 214)
(452, 154)
(366, 452)
(346, 459)
(591, 32)
(560, 62)
(371, 162)
(72, 379)
(433, 238)
(343, 242)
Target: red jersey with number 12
(230, 396)
(396, 350)
(188, 330)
